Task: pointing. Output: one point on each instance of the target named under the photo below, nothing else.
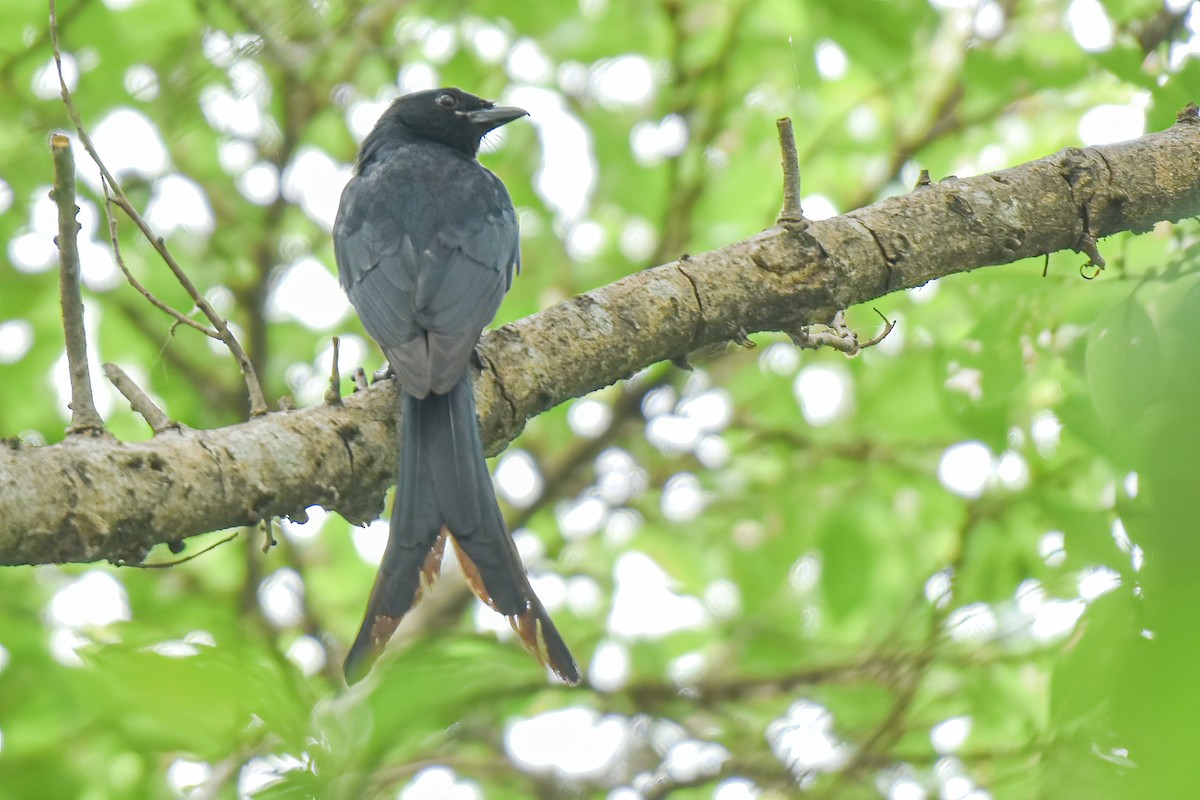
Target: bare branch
(190, 556)
(179, 316)
(791, 213)
(258, 403)
(56, 502)
(333, 395)
(139, 401)
(84, 417)
(888, 325)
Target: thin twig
(888, 324)
(188, 557)
(84, 417)
(134, 282)
(791, 212)
(139, 401)
(258, 403)
(333, 395)
(209, 387)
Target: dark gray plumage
(426, 243)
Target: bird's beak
(491, 118)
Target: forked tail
(444, 487)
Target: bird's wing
(426, 247)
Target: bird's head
(449, 116)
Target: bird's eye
(447, 100)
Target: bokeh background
(960, 566)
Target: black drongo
(426, 243)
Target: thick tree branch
(86, 499)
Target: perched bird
(426, 243)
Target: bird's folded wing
(426, 273)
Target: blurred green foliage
(835, 567)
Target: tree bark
(86, 499)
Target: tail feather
(444, 487)
(533, 625)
